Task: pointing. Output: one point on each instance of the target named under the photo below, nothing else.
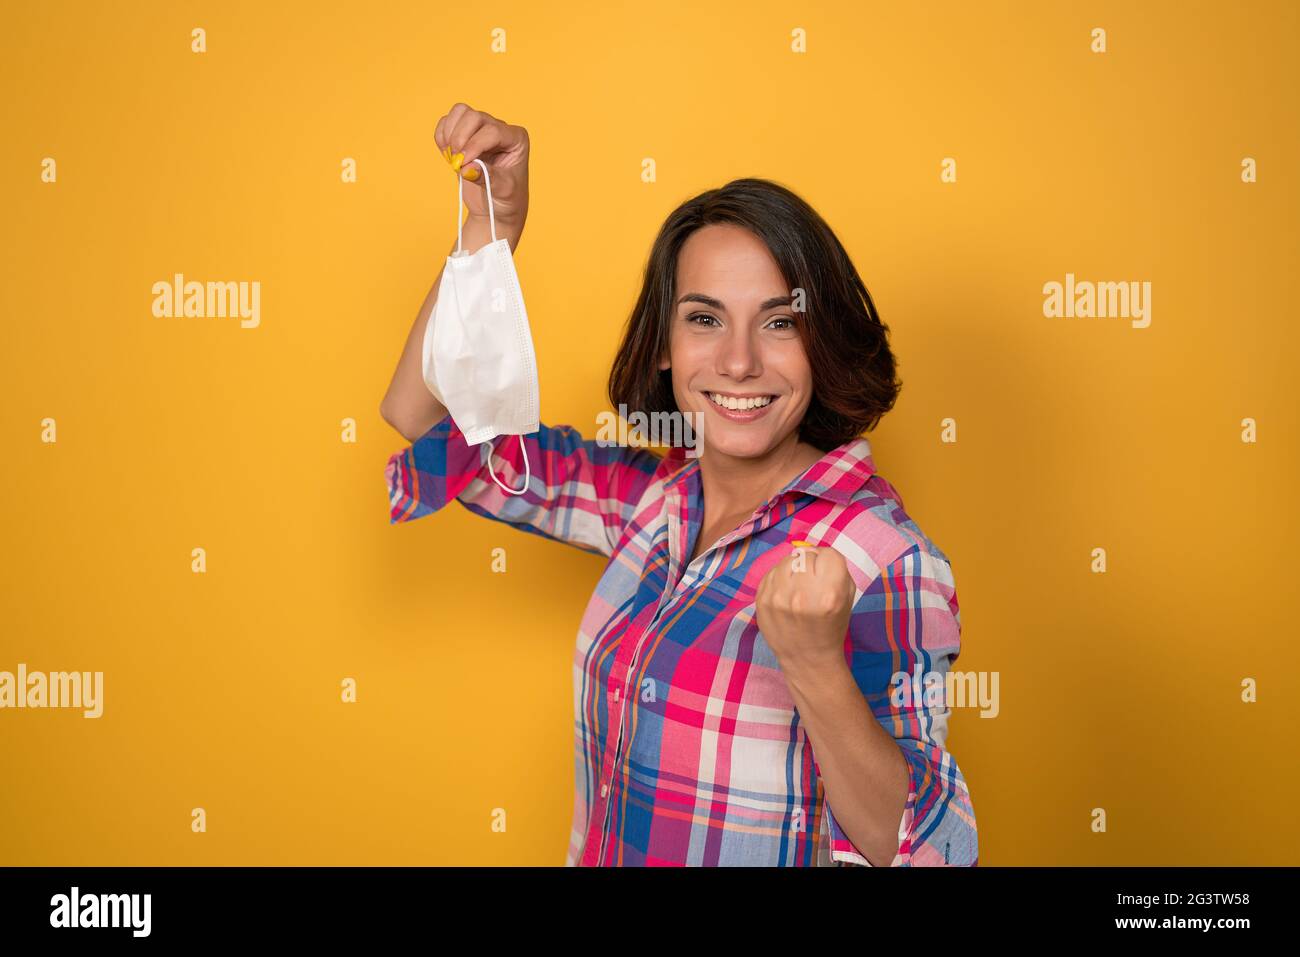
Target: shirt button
(615, 694)
(604, 790)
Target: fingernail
(802, 544)
(446, 152)
(471, 174)
(457, 160)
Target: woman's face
(733, 334)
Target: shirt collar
(836, 476)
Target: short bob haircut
(847, 345)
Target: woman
(739, 698)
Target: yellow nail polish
(471, 174)
(457, 160)
(446, 153)
(802, 544)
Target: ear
(665, 363)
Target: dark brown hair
(853, 374)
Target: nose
(738, 356)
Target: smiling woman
(776, 286)
(733, 670)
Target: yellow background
(1119, 691)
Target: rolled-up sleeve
(578, 491)
(907, 623)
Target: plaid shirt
(689, 747)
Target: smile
(740, 408)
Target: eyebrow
(712, 303)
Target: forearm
(864, 773)
(408, 405)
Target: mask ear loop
(460, 207)
(492, 224)
(528, 473)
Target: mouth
(741, 408)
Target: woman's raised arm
(462, 135)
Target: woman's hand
(802, 608)
(464, 135)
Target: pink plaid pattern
(689, 750)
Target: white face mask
(478, 349)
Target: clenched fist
(803, 606)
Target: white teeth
(739, 405)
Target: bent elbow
(399, 423)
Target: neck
(733, 484)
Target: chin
(738, 446)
